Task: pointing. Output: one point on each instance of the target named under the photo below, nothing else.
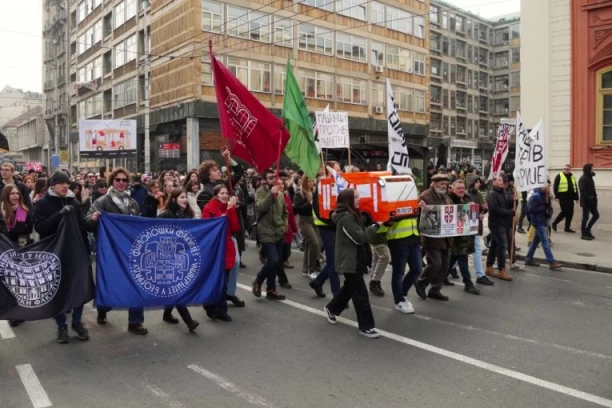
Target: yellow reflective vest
(563, 187)
(404, 228)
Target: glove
(66, 209)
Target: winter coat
(208, 187)
(539, 208)
(291, 224)
(47, 215)
(150, 206)
(139, 193)
(463, 245)
(272, 215)
(475, 197)
(21, 229)
(174, 212)
(501, 208)
(193, 203)
(301, 205)
(586, 185)
(25, 193)
(107, 204)
(353, 253)
(430, 197)
(216, 209)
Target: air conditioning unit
(379, 68)
(378, 109)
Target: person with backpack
(539, 211)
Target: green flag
(301, 148)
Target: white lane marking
(546, 277)
(35, 391)
(158, 392)
(5, 330)
(231, 387)
(465, 359)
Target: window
(433, 15)
(419, 26)
(419, 63)
(399, 58)
(378, 53)
(460, 100)
(515, 104)
(516, 55)
(352, 8)
(436, 121)
(445, 72)
(91, 71)
(436, 67)
(81, 44)
(378, 94)
(460, 24)
(124, 93)
(126, 51)
(212, 16)
(283, 32)
(315, 39)
(604, 106)
(130, 9)
(436, 94)
(207, 78)
(85, 8)
(377, 13)
(256, 76)
(435, 41)
(501, 59)
(248, 24)
(119, 14)
(351, 47)
(445, 20)
(399, 20)
(501, 83)
(502, 106)
(259, 26)
(453, 74)
(419, 101)
(351, 90)
(453, 100)
(403, 98)
(515, 79)
(317, 85)
(502, 36)
(460, 49)
(516, 31)
(461, 74)
(280, 73)
(323, 4)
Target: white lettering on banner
(530, 164)
(502, 146)
(333, 130)
(398, 152)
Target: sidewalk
(574, 252)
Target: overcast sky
(21, 37)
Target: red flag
(252, 130)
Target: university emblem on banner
(449, 214)
(32, 277)
(165, 260)
(241, 118)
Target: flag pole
(227, 168)
(280, 147)
(349, 158)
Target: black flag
(46, 278)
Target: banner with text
(398, 152)
(440, 221)
(502, 145)
(530, 169)
(333, 130)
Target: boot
(491, 272)
(376, 289)
(503, 275)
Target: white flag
(398, 152)
(315, 130)
(530, 167)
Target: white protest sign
(333, 130)
(530, 169)
(398, 152)
(315, 130)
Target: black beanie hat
(59, 177)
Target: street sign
(55, 161)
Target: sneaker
(81, 331)
(404, 307)
(520, 230)
(305, 274)
(331, 318)
(62, 335)
(192, 325)
(437, 296)
(370, 333)
(376, 289)
(517, 267)
(318, 289)
(483, 280)
(571, 231)
(256, 289)
(471, 289)
(313, 276)
(274, 295)
(288, 265)
(137, 329)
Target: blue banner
(144, 262)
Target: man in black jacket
(566, 192)
(501, 212)
(588, 201)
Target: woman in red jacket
(222, 205)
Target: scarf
(20, 216)
(123, 201)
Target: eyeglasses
(270, 178)
(121, 180)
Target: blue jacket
(539, 208)
(139, 195)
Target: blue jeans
(403, 253)
(329, 271)
(77, 313)
(586, 223)
(478, 256)
(540, 235)
(464, 268)
(135, 315)
(274, 261)
(232, 279)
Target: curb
(574, 265)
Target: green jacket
(271, 215)
(353, 254)
(463, 245)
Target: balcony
(48, 85)
(61, 80)
(48, 56)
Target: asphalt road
(540, 341)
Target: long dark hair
(346, 199)
(172, 203)
(7, 207)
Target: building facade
(475, 80)
(27, 135)
(14, 102)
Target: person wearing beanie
(137, 191)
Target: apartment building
(14, 102)
(26, 136)
(341, 51)
(475, 80)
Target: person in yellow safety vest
(565, 189)
(404, 243)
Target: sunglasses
(121, 180)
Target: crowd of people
(280, 208)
